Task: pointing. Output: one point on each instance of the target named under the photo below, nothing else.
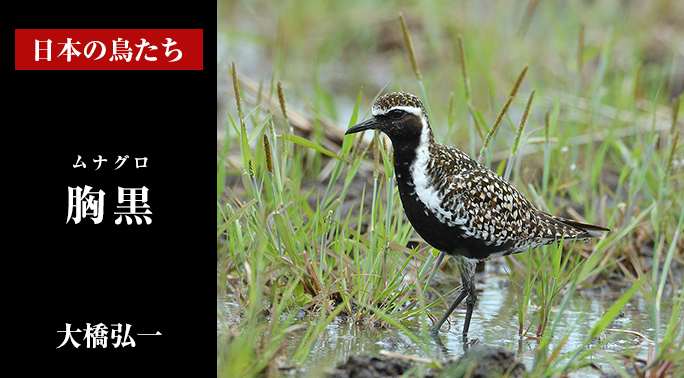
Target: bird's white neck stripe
(423, 149)
(423, 186)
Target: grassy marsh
(310, 228)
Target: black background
(148, 276)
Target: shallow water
(494, 322)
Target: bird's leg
(468, 287)
(467, 268)
(448, 312)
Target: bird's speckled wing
(487, 208)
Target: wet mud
(479, 361)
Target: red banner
(108, 49)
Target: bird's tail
(590, 230)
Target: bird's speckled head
(394, 100)
(401, 116)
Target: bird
(457, 205)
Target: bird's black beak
(369, 124)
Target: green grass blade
(309, 144)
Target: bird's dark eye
(397, 113)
